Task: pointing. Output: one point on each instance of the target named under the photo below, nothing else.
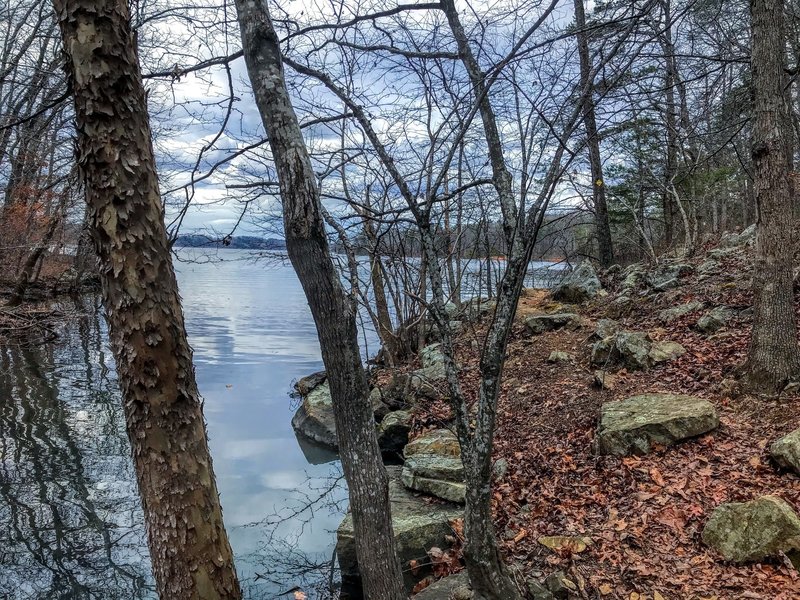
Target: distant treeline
(239, 242)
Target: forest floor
(644, 515)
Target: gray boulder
(633, 348)
(606, 328)
(314, 419)
(715, 319)
(752, 531)
(670, 314)
(418, 526)
(557, 356)
(635, 425)
(432, 356)
(665, 351)
(433, 466)
(452, 587)
(579, 285)
(786, 451)
(306, 384)
(537, 324)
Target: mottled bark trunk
(605, 246)
(333, 310)
(774, 357)
(189, 548)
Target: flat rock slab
(635, 425)
(433, 466)
(786, 451)
(752, 531)
(441, 476)
(418, 526)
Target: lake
(71, 524)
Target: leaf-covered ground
(644, 515)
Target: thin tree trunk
(774, 357)
(189, 547)
(602, 227)
(333, 310)
(26, 273)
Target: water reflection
(70, 520)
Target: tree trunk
(189, 547)
(333, 310)
(25, 275)
(602, 227)
(774, 357)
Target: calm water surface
(70, 519)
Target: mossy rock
(670, 314)
(636, 424)
(579, 285)
(752, 531)
(786, 451)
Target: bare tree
(334, 311)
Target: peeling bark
(189, 547)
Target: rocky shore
(627, 462)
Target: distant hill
(238, 242)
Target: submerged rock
(433, 466)
(786, 451)
(579, 285)
(537, 324)
(635, 425)
(418, 526)
(752, 531)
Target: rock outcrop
(579, 285)
(635, 425)
(752, 531)
(418, 526)
(670, 314)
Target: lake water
(70, 519)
